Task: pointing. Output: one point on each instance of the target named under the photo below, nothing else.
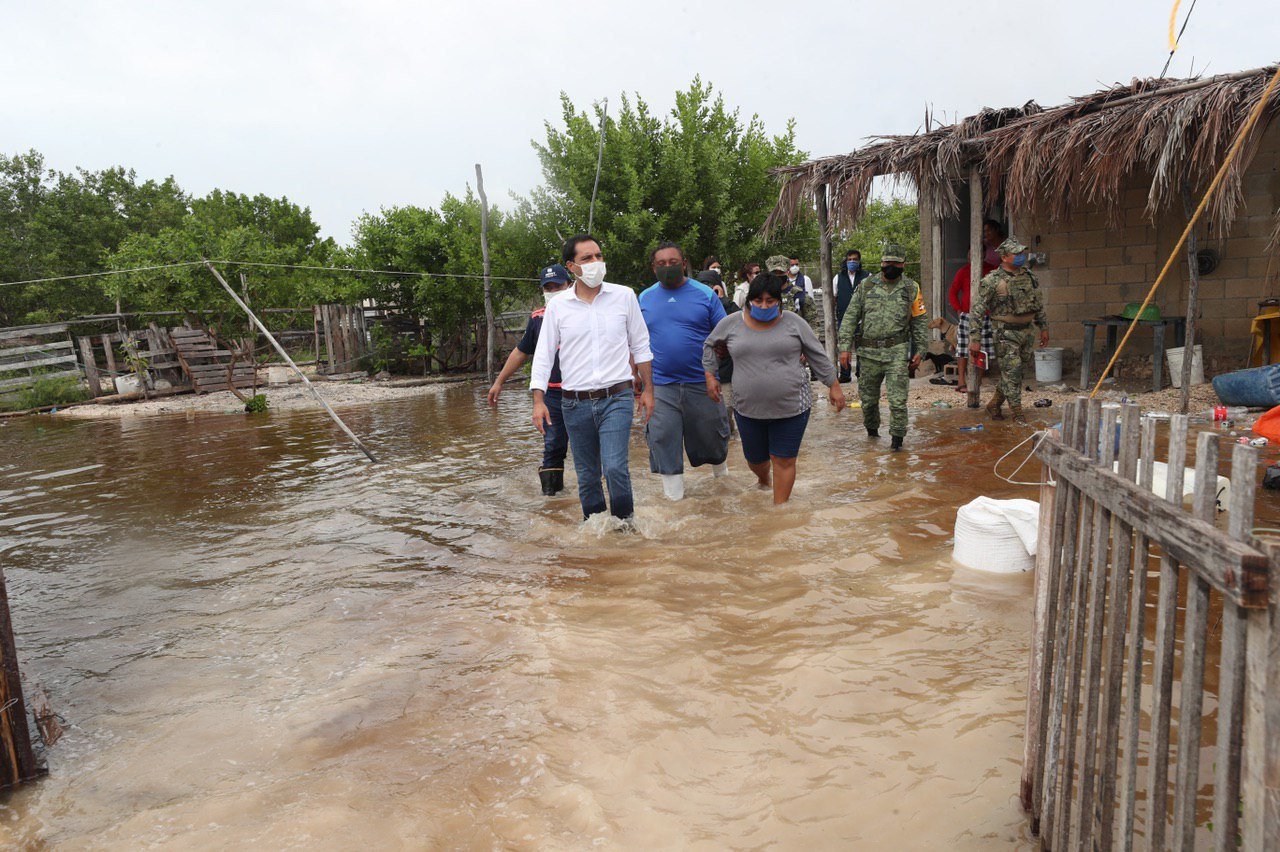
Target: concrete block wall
(1099, 262)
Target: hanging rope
(1245, 130)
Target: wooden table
(1113, 326)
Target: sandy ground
(924, 395)
(292, 397)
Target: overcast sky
(349, 106)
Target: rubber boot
(673, 486)
(896, 443)
(719, 470)
(993, 407)
(873, 433)
(552, 480)
(1015, 413)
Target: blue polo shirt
(679, 322)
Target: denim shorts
(764, 438)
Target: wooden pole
(488, 295)
(591, 213)
(285, 355)
(824, 270)
(1193, 269)
(13, 715)
(976, 253)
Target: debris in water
(1043, 403)
(976, 428)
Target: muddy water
(258, 639)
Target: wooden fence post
(976, 253)
(17, 761)
(491, 341)
(824, 270)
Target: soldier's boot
(552, 481)
(896, 443)
(993, 407)
(1015, 413)
(873, 433)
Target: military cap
(894, 253)
(1011, 246)
(777, 263)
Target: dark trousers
(555, 443)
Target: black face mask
(891, 273)
(670, 277)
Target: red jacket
(958, 295)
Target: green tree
(885, 221)
(699, 176)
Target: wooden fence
(1100, 712)
(31, 353)
(341, 338)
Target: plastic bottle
(977, 428)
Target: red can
(1219, 413)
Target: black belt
(1014, 326)
(884, 342)
(598, 394)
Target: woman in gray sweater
(771, 391)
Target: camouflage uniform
(1016, 308)
(791, 300)
(883, 320)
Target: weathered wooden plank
(1261, 771)
(52, 345)
(109, 354)
(1166, 626)
(17, 366)
(1041, 645)
(1195, 633)
(1234, 568)
(1064, 493)
(1091, 510)
(1231, 665)
(1050, 754)
(21, 764)
(1137, 636)
(326, 318)
(24, 381)
(90, 367)
(1117, 616)
(36, 331)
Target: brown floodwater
(258, 639)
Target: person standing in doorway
(680, 313)
(555, 440)
(1011, 295)
(599, 332)
(885, 319)
(772, 393)
(851, 275)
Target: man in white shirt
(599, 332)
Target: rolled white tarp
(998, 536)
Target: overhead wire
(1174, 41)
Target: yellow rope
(1245, 129)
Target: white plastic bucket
(278, 375)
(1049, 364)
(127, 384)
(1174, 358)
(998, 536)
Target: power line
(107, 272)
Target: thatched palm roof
(1048, 161)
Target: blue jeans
(600, 436)
(555, 443)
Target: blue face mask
(853, 265)
(765, 314)
(1020, 259)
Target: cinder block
(1106, 257)
(1086, 276)
(1089, 239)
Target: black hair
(711, 258)
(665, 244)
(853, 251)
(746, 269)
(570, 250)
(997, 226)
(766, 282)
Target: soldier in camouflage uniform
(1012, 296)
(792, 298)
(885, 317)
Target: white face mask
(548, 296)
(794, 269)
(592, 273)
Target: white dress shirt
(597, 340)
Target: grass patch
(45, 392)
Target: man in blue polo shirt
(680, 314)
